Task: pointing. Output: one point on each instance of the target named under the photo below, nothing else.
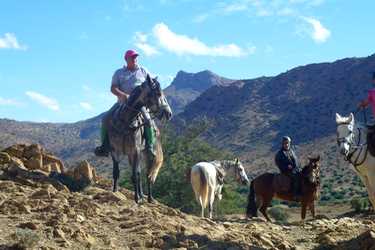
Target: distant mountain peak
(199, 81)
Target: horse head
(312, 170)
(240, 173)
(345, 135)
(151, 95)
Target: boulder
(4, 158)
(51, 159)
(35, 162)
(83, 171)
(32, 151)
(15, 150)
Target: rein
(357, 147)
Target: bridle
(358, 148)
(311, 171)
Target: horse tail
(203, 188)
(157, 163)
(252, 210)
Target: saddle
(282, 183)
(114, 123)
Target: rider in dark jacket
(287, 161)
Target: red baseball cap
(130, 53)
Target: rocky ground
(39, 214)
(45, 218)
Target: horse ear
(148, 77)
(236, 160)
(351, 118)
(318, 158)
(338, 118)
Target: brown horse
(267, 186)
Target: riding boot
(103, 150)
(150, 137)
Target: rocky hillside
(71, 142)
(186, 87)
(300, 102)
(38, 215)
(247, 117)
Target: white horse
(207, 180)
(352, 142)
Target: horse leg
(263, 208)
(303, 211)
(149, 163)
(253, 202)
(202, 207)
(116, 173)
(312, 209)
(370, 178)
(365, 181)
(211, 196)
(136, 176)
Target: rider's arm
(279, 162)
(115, 88)
(122, 96)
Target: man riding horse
(124, 80)
(286, 160)
(370, 100)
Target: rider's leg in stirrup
(103, 150)
(150, 135)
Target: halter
(359, 146)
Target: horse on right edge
(269, 185)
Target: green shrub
(173, 188)
(360, 204)
(279, 213)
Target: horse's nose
(343, 151)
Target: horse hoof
(115, 189)
(151, 200)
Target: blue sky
(57, 57)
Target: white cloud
(9, 41)
(9, 102)
(317, 31)
(200, 18)
(184, 45)
(43, 100)
(140, 41)
(235, 7)
(85, 105)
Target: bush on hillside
(279, 213)
(181, 152)
(360, 204)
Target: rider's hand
(290, 167)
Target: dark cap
(373, 75)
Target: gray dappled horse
(126, 134)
